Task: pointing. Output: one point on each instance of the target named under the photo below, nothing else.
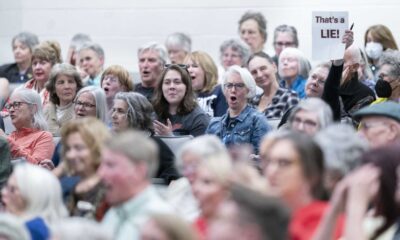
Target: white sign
(328, 30)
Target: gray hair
(289, 29)
(31, 181)
(27, 38)
(246, 77)
(140, 111)
(32, 97)
(154, 46)
(13, 228)
(62, 69)
(95, 47)
(259, 18)
(138, 147)
(237, 45)
(304, 64)
(77, 228)
(342, 147)
(180, 40)
(202, 146)
(78, 40)
(100, 100)
(317, 105)
(392, 58)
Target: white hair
(154, 46)
(100, 100)
(32, 97)
(246, 77)
(41, 191)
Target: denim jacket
(249, 127)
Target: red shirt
(305, 221)
(33, 144)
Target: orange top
(33, 144)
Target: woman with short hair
(24, 196)
(242, 124)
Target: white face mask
(374, 50)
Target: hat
(388, 109)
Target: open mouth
(106, 89)
(233, 98)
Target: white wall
(121, 26)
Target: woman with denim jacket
(241, 124)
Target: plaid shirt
(281, 102)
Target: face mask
(374, 50)
(383, 89)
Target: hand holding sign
(328, 30)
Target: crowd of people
(249, 146)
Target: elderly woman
(22, 46)
(233, 52)
(293, 164)
(310, 116)
(378, 38)
(24, 196)
(44, 57)
(274, 101)
(113, 80)
(284, 36)
(30, 140)
(210, 188)
(178, 46)
(63, 85)
(204, 75)
(190, 155)
(83, 140)
(91, 101)
(293, 70)
(342, 148)
(253, 30)
(133, 111)
(388, 85)
(242, 123)
(175, 104)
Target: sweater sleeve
(42, 147)
(331, 90)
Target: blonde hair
(92, 131)
(207, 64)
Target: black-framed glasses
(15, 105)
(234, 85)
(84, 104)
(183, 66)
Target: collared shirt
(93, 81)
(126, 219)
(32, 144)
(249, 127)
(298, 86)
(283, 100)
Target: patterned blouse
(281, 102)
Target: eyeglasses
(84, 104)
(286, 44)
(306, 123)
(15, 105)
(183, 66)
(234, 85)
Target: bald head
(352, 55)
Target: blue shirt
(249, 127)
(298, 86)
